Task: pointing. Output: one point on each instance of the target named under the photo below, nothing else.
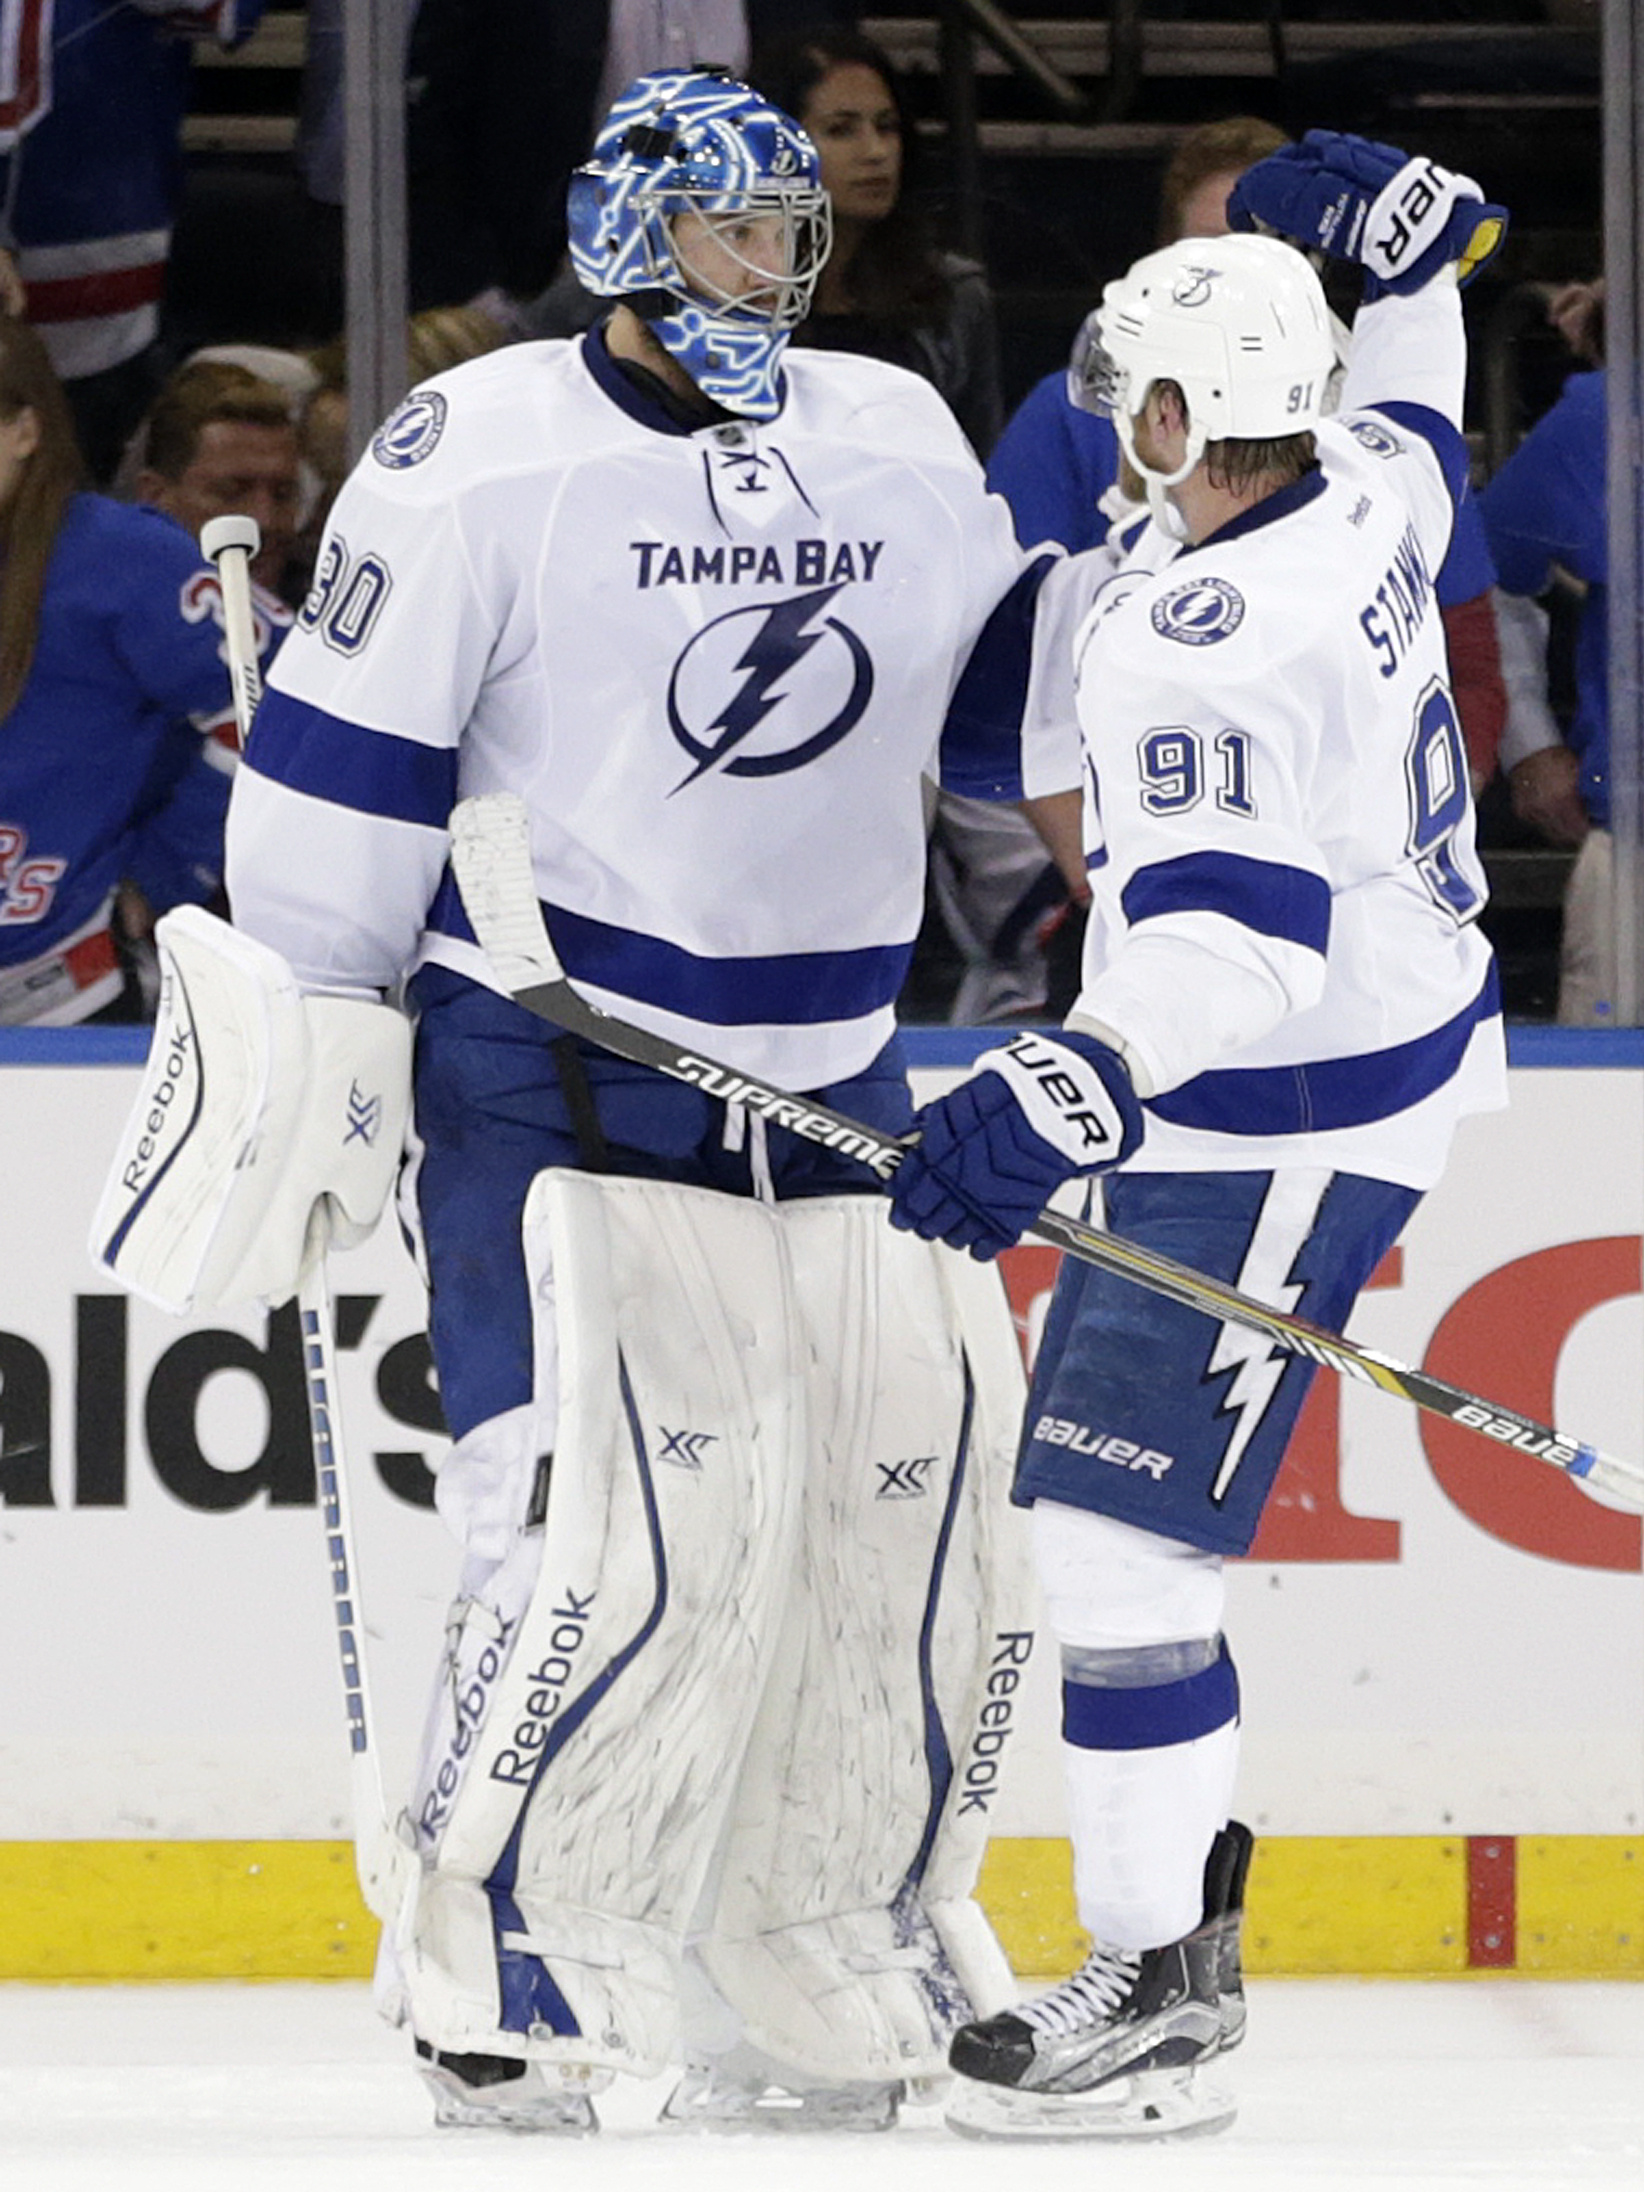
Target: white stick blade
(491, 854)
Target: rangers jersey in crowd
(1279, 826)
(108, 770)
(92, 99)
(714, 663)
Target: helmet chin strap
(1164, 512)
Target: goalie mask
(702, 207)
(1239, 323)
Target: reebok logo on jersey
(787, 563)
(1200, 613)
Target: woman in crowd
(887, 291)
(111, 685)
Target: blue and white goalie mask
(703, 209)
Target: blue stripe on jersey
(298, 745)
(1263, 895)
(1332, 1092)
(981, 749)
(1444, 437)
(784, 989)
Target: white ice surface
(1486, 2083)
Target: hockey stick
(386, 1865)
(491, 853)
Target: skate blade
(775, 2113)
(1152, 2104)
(458, 2107)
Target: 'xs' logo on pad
(685, 1448)
(904, 1479)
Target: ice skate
(745, 2090)
(1115, 2052)
(501, 2093)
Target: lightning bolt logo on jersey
(783, 637)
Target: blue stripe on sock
(1101, 1719)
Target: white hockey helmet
(1239, 323)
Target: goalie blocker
(260, 1108)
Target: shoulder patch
(1376, 439)
(1199, 613)
(410, 431)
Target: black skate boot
(501, 2093)
(1225, 1872)
(1115, 2052)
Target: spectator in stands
(220, 439)
(502, 100)
(887, 291)
(1545, 514)
(112, 681)
(1058, 467)
(90, 176)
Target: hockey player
(1286, 1005)
(704, 605)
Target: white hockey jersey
(713, 662)
(1279, 826)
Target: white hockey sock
(1143, 1822)
(1150, 1718)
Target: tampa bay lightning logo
(409, 433)
(1375, 438)
(1194, 286)
(1199, 613)
(766, 689)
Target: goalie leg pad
(257, 1103)
(843, 1934)
(597, 1777)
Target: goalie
(728, 1451)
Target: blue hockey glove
(992, 1152)
(1398, 218)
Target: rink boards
(1441, 1643)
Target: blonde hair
(1215, 148)
(52, 474)
(207, 392)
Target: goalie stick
(491, 854)
(386, 1865)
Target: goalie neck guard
(1239, 323)
(683, 142)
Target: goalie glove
(993, 1151)
(1402, 220)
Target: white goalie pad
(844, 1933)
(256, 1103)
(587, 1774)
